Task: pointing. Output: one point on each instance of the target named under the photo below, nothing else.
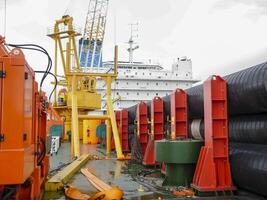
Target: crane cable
(49, 64)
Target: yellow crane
(80, 82)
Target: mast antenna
(131, 42)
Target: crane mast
(90, 45)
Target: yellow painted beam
(116, 61)
(90, 74)
(108, 138)
(55, 65)
(74, 120)
(57, 181)
(93, 117)
(85, 131)
(59, 83)
(75, 52)
(116, 99)
(113, 122)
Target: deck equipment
(142, 124)
(23, 136)
(179, 153)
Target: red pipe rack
(118, 114)
(213, 168)
(157, 130)
(179, 119)
(142, 124)
(157, 118)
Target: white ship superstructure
(138, 81)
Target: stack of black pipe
(132, 114)
(134, 145)
(247, 109)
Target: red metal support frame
(142, 124)
(179, 119)
(118, 119)
(157, 130)
(157, 118)
(123, 130)
(213, 169)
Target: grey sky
(219, 36)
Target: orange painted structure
(142, 124)
(118, 121)
(157, 130)
(213, 168)
(23, 157)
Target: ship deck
(109, 171)
(117, 173)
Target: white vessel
(138, 81)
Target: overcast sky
(220, 36)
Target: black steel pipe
(249, 166)
(243, 129)
(131, 129)
(167, 104)
(131, 114)
(247, 93)
(131, 133)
